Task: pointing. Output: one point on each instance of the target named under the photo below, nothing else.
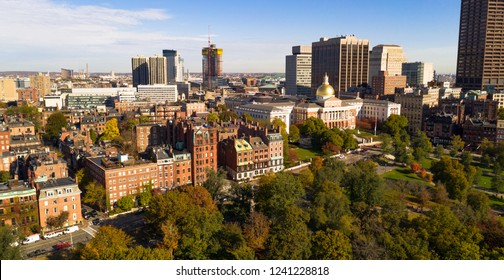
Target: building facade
(386, 58)
(344, 59)
(418, 73)
(18, 206)
(174, 66)
(158, 93)
(416, 106)
(157, 70)
(140, 70)
(480, 60)
(8, 90)
(57, 196)
(385, 84)
(298, 71)
(121, 176)
(212, 66)
(42, 83)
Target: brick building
(383, 84)
(149, 135)
(57, 196)
(18, 206)
(121, 175)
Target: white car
(71, 229)
(52, 234)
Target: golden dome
(325, 89)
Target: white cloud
(60, 29)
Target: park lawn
(402, 173)
(305, 154)
(426, 163)
(496, 203)
(485, 181)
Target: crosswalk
(91, 231)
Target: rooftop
(54, 183)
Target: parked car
(52, 234)
(84, 211)
(71, 229)
(31, 239)
(96, 221)
(36, 253)
(62, 245)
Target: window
(46, 203)
(74, 207)
(65, 208)
(46, 211)
(74, 216)
(55, 210)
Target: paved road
(83, 235)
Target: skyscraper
(345, 60)
(212, 66)
(418, 73)
(298, 71)
(42, 83)
(174, 66)
(386, 58)
(480, 61)
(140, 70)
(157, 70)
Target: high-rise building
(174, 66)
(480, 61)
(298, 71)
(42, 83)
(385, 84)
(158, 93)
(212, 66)
(8, 90)
(157, 70)
(140, 70)
(345, 60)
(386, 58)
(66, 73)
(418, 73)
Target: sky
(256, 35)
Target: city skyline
(47, 35)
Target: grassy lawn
(485, 182)
(402, 173)
(305, 154)
(496, 203)
(426, 163)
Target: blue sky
(46, 35)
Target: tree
(457, 144)
(233, 245)
(93, 135)
(500, 114)
(145, 197)
(111, 130)
(239, 204)
(283, 190)
(451, 173)
(228, 115)
(330, 208)
(386, 146)
(289, 236)
(448, 238)
(421, 145)
(247, 117)
(256, 231)
(439, 151)
(55, 222)
(190, 214)
(109, 243)
(95, 195)
(4, 176)
(466, 159)
(395, 124)
(7, 239)
(363, 184)
(294, 134)
(125, 203)
(55, 123)
(312, 127)
(213, 118)
(215, 182)
(331, 245)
